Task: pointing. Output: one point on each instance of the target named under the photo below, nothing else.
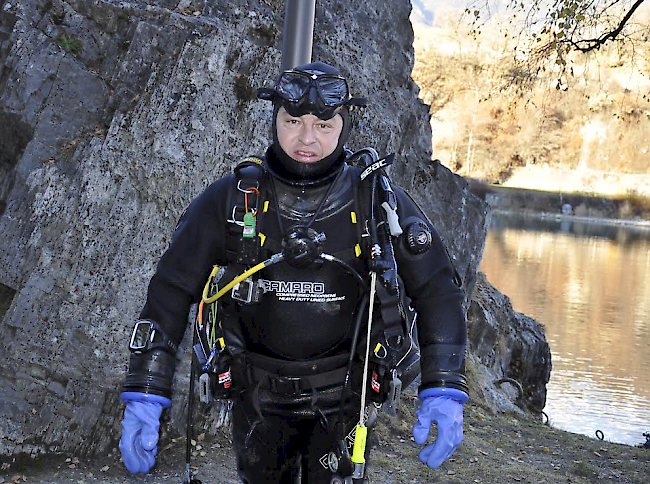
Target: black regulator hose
(347, 267)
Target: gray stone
(507, 348)
(106, 140)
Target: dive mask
(302, 92)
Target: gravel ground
(497, 449)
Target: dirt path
(497, 449)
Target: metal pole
(298, 33)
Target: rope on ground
(646, 445)
(520, 395)
(544, 414)
(512, 381)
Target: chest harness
(248, 249)
(388, 349)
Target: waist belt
(295, 377)
(296, 384)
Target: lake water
(589, 285)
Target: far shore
(559, 217)
(619, 210)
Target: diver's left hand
(444, 406)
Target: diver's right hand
(140, 425)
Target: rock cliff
(114, 114)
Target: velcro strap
(296, 384)
(293, 377)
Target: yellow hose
(208, 300)
(234, 282)
(206, 288)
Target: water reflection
(588, 285)
(622, 234)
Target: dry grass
(491, 116)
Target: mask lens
(333, 90)
(293, 85)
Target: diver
(298, 377)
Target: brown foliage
(490, 115)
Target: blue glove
(140, 430)
(444, 406)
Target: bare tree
(550, 30)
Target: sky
(424, 10)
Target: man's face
(307, 138)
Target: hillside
(496, 121)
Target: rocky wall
(113, 116)
(508, 351)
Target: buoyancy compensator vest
(232, 290)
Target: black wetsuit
(304, 315)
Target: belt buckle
(286, 380)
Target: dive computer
(148, 335)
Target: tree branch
(587, 45)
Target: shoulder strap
(390, 305)
(361, 193)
